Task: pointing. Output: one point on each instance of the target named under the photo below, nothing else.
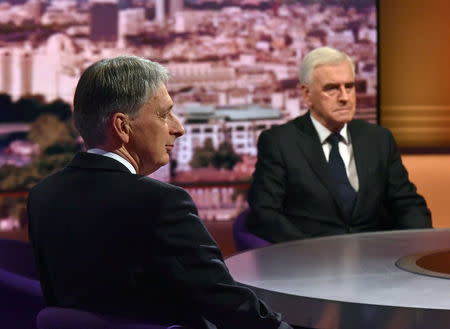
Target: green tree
(6, 108)
(60, 109)
(225, 157)
(58, 143)
(16, 178)
(27, 109)
(202, 156)
(49, 130)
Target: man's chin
(345, 116)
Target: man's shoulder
(367, 128)
(48, 180)
(133, 184)
(282, 129)
(151, 183)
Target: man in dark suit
(324, 173)
(109, 239)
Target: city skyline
(228, 61)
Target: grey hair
(321, 56)
(120, 84)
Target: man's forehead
(161, 97)
(340, 72)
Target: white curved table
(349, 281)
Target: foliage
(14, 208)
(57, 141)
(49, 130)
(57, 145)
(6, 108)
(52, 129)
(15, 178)
(225, 157)
(205, 156)
(29, 108)
(60, 109)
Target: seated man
(108, 239)
(324, 173)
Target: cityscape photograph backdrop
(234, 73)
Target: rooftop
(196, 112)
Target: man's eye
(165, 115)
(330, 88)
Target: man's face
(331, 95)
(153, 132)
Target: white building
(160, 11)
(131, 21)
(16, 72)
(175, 6)
(205, 74)
(240, 126)
(55, 71)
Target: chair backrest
(69, 318)
(20, 292)
(243, 239)
(17, 257)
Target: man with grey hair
(325, 173)
(109, 239)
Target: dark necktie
(339, 175)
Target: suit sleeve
(407, 207)
(267, 193)
(194, 263)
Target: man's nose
(343, 94)
(176, 128)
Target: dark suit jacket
(293, 197)
(108, 241)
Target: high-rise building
(35, 9)
(104, 20)
(175, 6)
(5, 71)
(131, 21)
(15, 72)
(160, 11)
(54, 70)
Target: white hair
(321, 56)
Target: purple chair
(69, 318)
(243, 239)
(20, 292)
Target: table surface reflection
(350, 281)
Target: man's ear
(305, 91)
(121, 127)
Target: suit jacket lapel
(311, 148)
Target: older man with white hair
(325, 173)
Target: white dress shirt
(345, 150)
(113, 156)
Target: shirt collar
(324, 132)
(113, 156)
